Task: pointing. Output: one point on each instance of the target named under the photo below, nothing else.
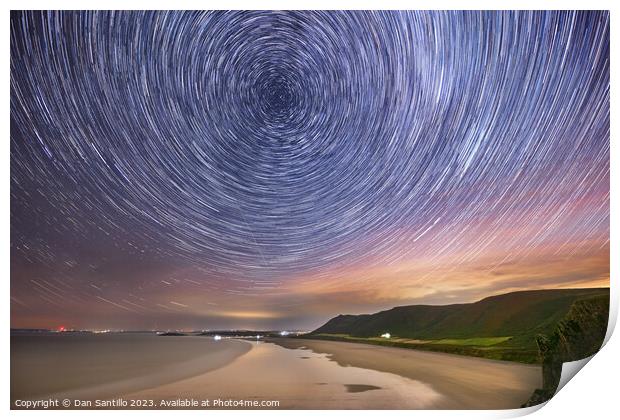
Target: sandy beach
(296, 373)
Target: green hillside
(501, 327)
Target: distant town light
(217, 337)
(283, 333)
(386, 335)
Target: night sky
(274, 169)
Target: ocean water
(103, 365)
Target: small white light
(217, 337)
(386, 335)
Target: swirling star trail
(233, 169)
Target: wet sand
(464, 382)
(299, 379)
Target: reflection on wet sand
(360, 387)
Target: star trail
(242, 169)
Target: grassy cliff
(499, 327)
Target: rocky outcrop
(579, 335)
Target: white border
(592, 394)
(316, 4)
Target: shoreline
(511, 355)
(298, 373)
(423, 350)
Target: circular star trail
(261, 145)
